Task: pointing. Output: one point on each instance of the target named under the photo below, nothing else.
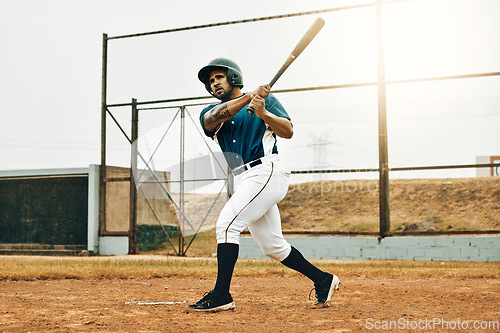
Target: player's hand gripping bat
(306, 39)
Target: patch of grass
(204, 245)
(421, 269)
(30, 268)
(126, 267)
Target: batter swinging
(249, 145)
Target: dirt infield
(268, 303)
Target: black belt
(248, 166)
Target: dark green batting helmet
(233, 73)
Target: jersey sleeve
(205, 110)
(274, 106)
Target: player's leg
(219, 298)
(257, 191)
(255, 196)
(227, 255)
(267, 233)
(325, 284)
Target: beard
(223, 94)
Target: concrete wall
(442, 248)
(113, 245)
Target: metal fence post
(133, 171)
(102, 169)
(181, 190)
(382, 131)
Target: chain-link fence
(440, 105)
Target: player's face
(220, 85)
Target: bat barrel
(302, 44)
(308, 36)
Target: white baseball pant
(254, 205)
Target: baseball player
(249, 145)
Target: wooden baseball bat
(301, 45)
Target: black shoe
(213, 302)
(325, 291)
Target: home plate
(153, 303)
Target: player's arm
(282, 127)
(224, 111)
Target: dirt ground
(263, 304)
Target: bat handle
(250, 110)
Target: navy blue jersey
(246, 137)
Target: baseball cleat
(325, 291)
(213, 302)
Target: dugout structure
(182, 105)
(47, 211)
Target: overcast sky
(50, 77)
